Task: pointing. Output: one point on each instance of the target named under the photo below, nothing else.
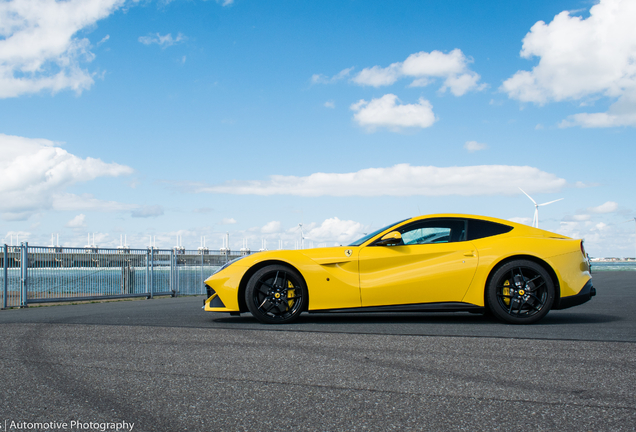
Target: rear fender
(476, 293)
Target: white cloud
(330, 104)
(203, 210)
(386, 112)
(162, 41)
(401, 180)
(378, 76)
(167, 2)
(473, 146)
(323, 79)
(104, 39)
(36, 172)
(319, 79)
(600, 226)
(87, 202)
(570, 229)
(577, 218)
(435, 64)
(522, 220)
(581, 217)
(271, 227)
(582, 59)
(581, 185)
(612, 118)
(608, 207)
(336, 230)
(330, 232)
(603, 238)
(78, 221)
(147, 211)
(39, 49)
(227, 221)
(425, 67)
(462, 84)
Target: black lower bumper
(586, 293)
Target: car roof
(520, 229)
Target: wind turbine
(302, 236)
(535, 220)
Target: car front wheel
(520, 292)
(276, 294)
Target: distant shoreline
(612, 259)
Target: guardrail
(44, 274)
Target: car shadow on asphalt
(426, 318)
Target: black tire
(520, 292)
(276, 294)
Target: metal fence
(41, 274)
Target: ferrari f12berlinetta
(442, 262)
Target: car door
(335, 283)
(434, 263)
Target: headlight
(227, 264)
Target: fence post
(6, 277)
(202, 287)
(24, 266)
(147, 273)
(177, 271)
(152, 270)
(173, 285)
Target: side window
(434, 231)
(426, 235)
(480, 229)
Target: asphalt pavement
(166, 365)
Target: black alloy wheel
(276, 294)
(520, 292)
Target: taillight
(586, 257)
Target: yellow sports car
(442, 262)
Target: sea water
(614, 266)
(105, 281)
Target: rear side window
(479, 229)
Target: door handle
(469, 254)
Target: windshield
(374, 233)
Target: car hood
(332, 255)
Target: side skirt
(416, 307)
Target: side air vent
(216, 302)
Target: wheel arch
(256, 267)
(547, 267)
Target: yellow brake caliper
(506, 292)
(290, 293)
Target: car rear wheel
(276, 294)
(520, 292)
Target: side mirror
(392, 238)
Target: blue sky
(196, 118)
